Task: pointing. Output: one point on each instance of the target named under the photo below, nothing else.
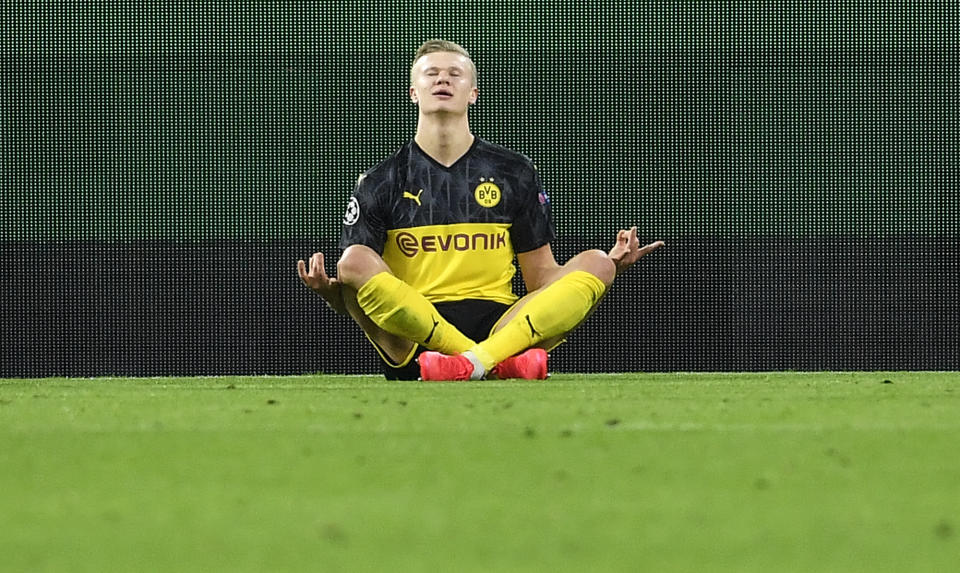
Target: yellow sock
(399, 309)
(555, 311)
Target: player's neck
(444, 141)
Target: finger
(321, 270)
(316, 264)
(651, 247)
(634, 241)
(320, 264)
(302, 270)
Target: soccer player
(429, 238)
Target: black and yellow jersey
(451, 232)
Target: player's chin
(444, 108)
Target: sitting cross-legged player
(429, 241)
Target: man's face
(443, 82)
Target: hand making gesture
(628, 250)
(319, 282)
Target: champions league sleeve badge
(352, 214)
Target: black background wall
(164, 167)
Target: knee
(597, 263)
(358, 264)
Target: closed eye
(456, 72)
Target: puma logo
(533, 331)
(436, 323)
(409, 195)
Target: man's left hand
(628, 250)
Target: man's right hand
(319, 282)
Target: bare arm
(319, 282)
(538, 267)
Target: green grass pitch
(626, 472)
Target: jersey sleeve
(364, 221)
(533, 224)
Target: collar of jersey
(476, 141)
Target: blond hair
(431, 46)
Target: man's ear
(413, 95)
